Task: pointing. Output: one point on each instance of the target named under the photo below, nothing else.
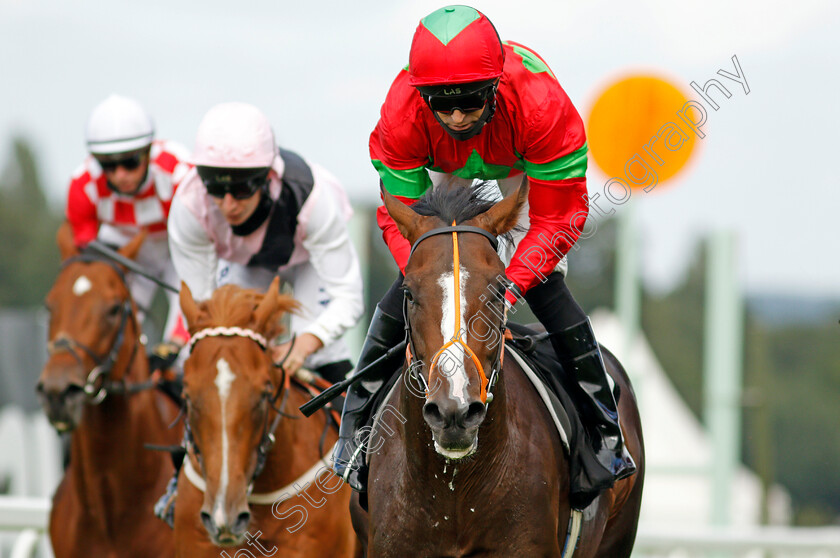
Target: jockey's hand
(163, 356)
(304, 345)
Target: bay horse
(460, 470)
(245, 441)
(96, 385)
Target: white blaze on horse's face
(452, 363)
(224, 378)
(82, 285)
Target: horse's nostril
(242, 521)
(208, 522)
(474, 415)
(73, 389)
(433, 416)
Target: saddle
(534, 350)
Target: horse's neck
(108, 445)
(296, 447)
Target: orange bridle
(458, 338)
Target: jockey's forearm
(557, 213)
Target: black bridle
(103, 365)
(414, 361)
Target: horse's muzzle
(63, 405)
(223, 532)
(454, 426)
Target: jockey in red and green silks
(530, 127)
(469, 106)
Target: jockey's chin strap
(458, 338)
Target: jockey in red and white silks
(126, 184)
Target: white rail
(19, 512)
(26, 544)
(777, 541)
(28, 517)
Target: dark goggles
(464, 103)
(128, 162)
(442, 99)
(241, 184)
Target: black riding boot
(578, 351)
(580, 355)
(349, 456)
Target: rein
(102, 365)
(486, 384)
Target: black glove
(163, 355)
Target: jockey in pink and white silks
(126, 184)
(249, 212)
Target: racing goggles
(128, 162)
(241, 184)
(447, 100)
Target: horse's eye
(408, 296)
(259, 406)
(114, 310)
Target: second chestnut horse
(256, 477)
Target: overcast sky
(320, 71)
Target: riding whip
(129, 264)
(310, 407)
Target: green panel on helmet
(531, 61)
(410, 183)
(572, 165)
(475, 167)
(446, 23)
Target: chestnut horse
(255, 478)
(458, 471)
(95, 384)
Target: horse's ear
(66, 245)
(133, 246)
(268, 312)
(188, 305)
(409, 222)
(503, 216)
(268, 306)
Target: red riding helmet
(455, 44)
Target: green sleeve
(409, 183)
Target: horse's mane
(451, 202)
(233, 306)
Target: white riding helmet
(119, 124)
(234, 135)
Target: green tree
(28, 254)
(791, 384)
